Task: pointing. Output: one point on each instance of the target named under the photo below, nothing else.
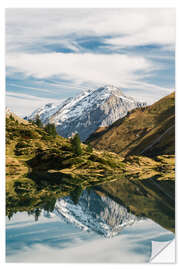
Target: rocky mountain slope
(144, 131)
(88, 111)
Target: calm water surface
(97, 229)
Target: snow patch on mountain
(88, 111)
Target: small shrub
(21, 145)
(89, 148)
(23, 151)
(46, 138)
(41, 132)
(66, 148)
(26, 133)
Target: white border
(74, 4)
(91, 4)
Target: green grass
(45, 167)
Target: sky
(53, 54)
(52, 240)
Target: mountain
(88, 111)
(144, 131)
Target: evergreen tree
(38, 121)
(76, 144)
(51, 129)
(37, 213)
(11, 117)
(75, 194)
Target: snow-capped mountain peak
(87, 111)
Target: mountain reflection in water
(109, 223)
(96, 212)
(105, 209)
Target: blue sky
(52, 54)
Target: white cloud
(164, 35)
(98, 251)
(132, 245)
(24, 104)
(127, 72)
(139, 26)
(96, 68)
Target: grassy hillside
(146, 131)
(34, 155)
(41, 167)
